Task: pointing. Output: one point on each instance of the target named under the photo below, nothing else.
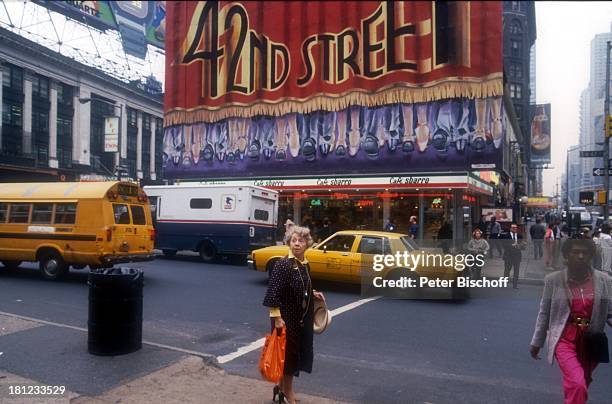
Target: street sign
(600, 172)
(586, 198)
(591, 153)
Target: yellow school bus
(74, 224)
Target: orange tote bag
(272, 361)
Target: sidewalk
(532, 271)
(189, 380)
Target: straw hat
(322, 316)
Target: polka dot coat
(288, 284)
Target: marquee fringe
(489, 88)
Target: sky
(564, 33)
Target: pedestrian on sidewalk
(477, 245)
(513, 246)
(597, 256)
(290, 297)
(549, 245)
(605, 244)
(390, 226)
(494, 232)
(414, 227)
(559, 236)
(537, 232)
(445, 235)
(568, 309)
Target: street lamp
(118, 168)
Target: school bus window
(138, 215)
(19, 213)
(65, 213)
(42, 213)
(261, 215)
(3, 211)
(122, 216)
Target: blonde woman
(290, 298)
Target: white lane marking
(72, 327)
(260, 342)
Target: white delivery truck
(213, 219)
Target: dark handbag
(596, 344)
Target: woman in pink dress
(574, 301)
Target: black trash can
(115, 311)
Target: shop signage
(350, 88)
(586, 198)
(334, 183)
(315, 202)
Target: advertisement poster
(540, 135)
(501, 215)
(375, 87)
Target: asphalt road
(384, 351)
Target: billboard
(440, 135)
(367, 87)
(111, 134)
(98, 14)
(501, 215)
(139, 22)
(540, 139)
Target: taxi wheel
(52, 266)
(407, 292)
(11, 264)
(208, 251)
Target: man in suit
(513, 245)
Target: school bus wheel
(11, 264)
(52, 265)
(208, 251)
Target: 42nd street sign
(591, 153)
(600, 172)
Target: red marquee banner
(243, 59)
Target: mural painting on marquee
(389, 87)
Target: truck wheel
(52, 265)
(11, 264)
(169, 253)
(208, 252)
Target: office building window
(40, 121)
(64, 142)
(516, 91)
(516, 71)
(40, 87)
(12, 77)
(515, 27)
(12, 113)
(132, 117)
(64, 94)
(515, 47)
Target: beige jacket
(555, 309)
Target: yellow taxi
(349, 256)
